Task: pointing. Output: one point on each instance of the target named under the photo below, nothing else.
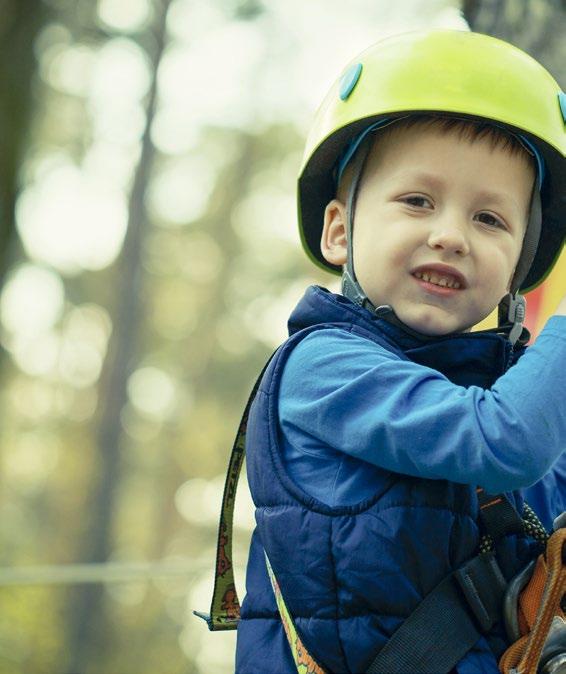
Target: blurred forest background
(149, 259)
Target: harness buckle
(483, 585)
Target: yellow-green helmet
(454, 72)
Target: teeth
(444, 281)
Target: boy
(435, 181)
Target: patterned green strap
(304, 661)
(225, 606)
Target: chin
(433, 326)
(432, 331)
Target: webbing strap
(444, 626)
(498, 517)
(225, 605)
(304, 662)
(450, 620)
(448, 636)
(441, 630)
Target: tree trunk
(20, 21)
(88, 639)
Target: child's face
(429, 197)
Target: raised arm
(354, 396)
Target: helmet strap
(513, 307)
(530, 242)
(350, 286)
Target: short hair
(466, 129)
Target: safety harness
(451, 618)
(534, 612)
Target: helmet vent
(562, 101)
(349, 80)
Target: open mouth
(438, 279)
(440, 288)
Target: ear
(333, 243)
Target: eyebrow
(499, 198)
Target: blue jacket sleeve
(548, 496)
(354, 396)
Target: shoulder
(329, 343)
(339, 340)
(328, 356)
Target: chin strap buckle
(512, 309)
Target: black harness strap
(441, 630)
(498, 517)
(465, 605)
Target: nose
(447, 235)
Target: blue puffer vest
(351, 575)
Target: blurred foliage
(155, 266)
(184, 376)
(536, 26)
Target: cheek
(503, 250)
(502, 268)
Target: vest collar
(466, 358)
